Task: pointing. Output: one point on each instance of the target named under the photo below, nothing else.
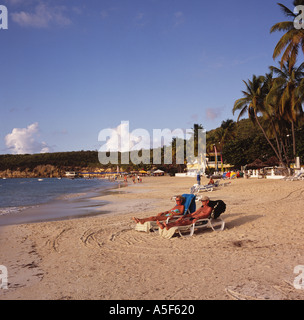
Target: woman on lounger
(176, 211)
(202, 213)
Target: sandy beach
(103, 257)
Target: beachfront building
(193, 168)
(213, 161)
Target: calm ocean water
(17, 195)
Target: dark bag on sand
(218, 206)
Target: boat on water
(70, 174)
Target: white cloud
(43, 16)
(179, 18)
(213, 113)
(104, 14)
(24, 140)
(121, 139)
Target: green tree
(286, 87)
(253, 102)
(293, 39)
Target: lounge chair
(294, 177)
(215, 222)
(208, 187)
(189, 204)
(298, 176)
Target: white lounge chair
(214, 224)
(208, 187)
(295, 176)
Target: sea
(37, 200)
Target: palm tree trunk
(278, 153)
(277, 139)
(293, 140)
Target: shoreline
(64, 207)
(104, 258)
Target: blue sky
(70, 69)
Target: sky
(73, 68)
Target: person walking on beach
(176, 211)
(202, 213)
(198, 179)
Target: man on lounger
(202, 213)
(176, 211)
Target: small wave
(14, 210)
(71, 196)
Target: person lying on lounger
(202, 213)
(211, 181)
(176, 211)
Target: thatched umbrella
(256, 164)
(272, 162)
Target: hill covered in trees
(239, 142)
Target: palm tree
(224, 133)
(290, 104)
(293, 39)
(276, 125)
(253, 102)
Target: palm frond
(292, 57)
(243, 111)
(287, 12)
(283, 43)
(277, 71)
(282, 26)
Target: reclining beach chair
(294, 177)
(298, 176)
(214, 221)
(208, 187)
(189, 204)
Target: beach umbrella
(272, 162)
(159, 171)
(256, 164)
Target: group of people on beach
(139, 179)
(202, 213)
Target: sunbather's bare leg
(169, 225)
(160, 224)
(142, 221)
